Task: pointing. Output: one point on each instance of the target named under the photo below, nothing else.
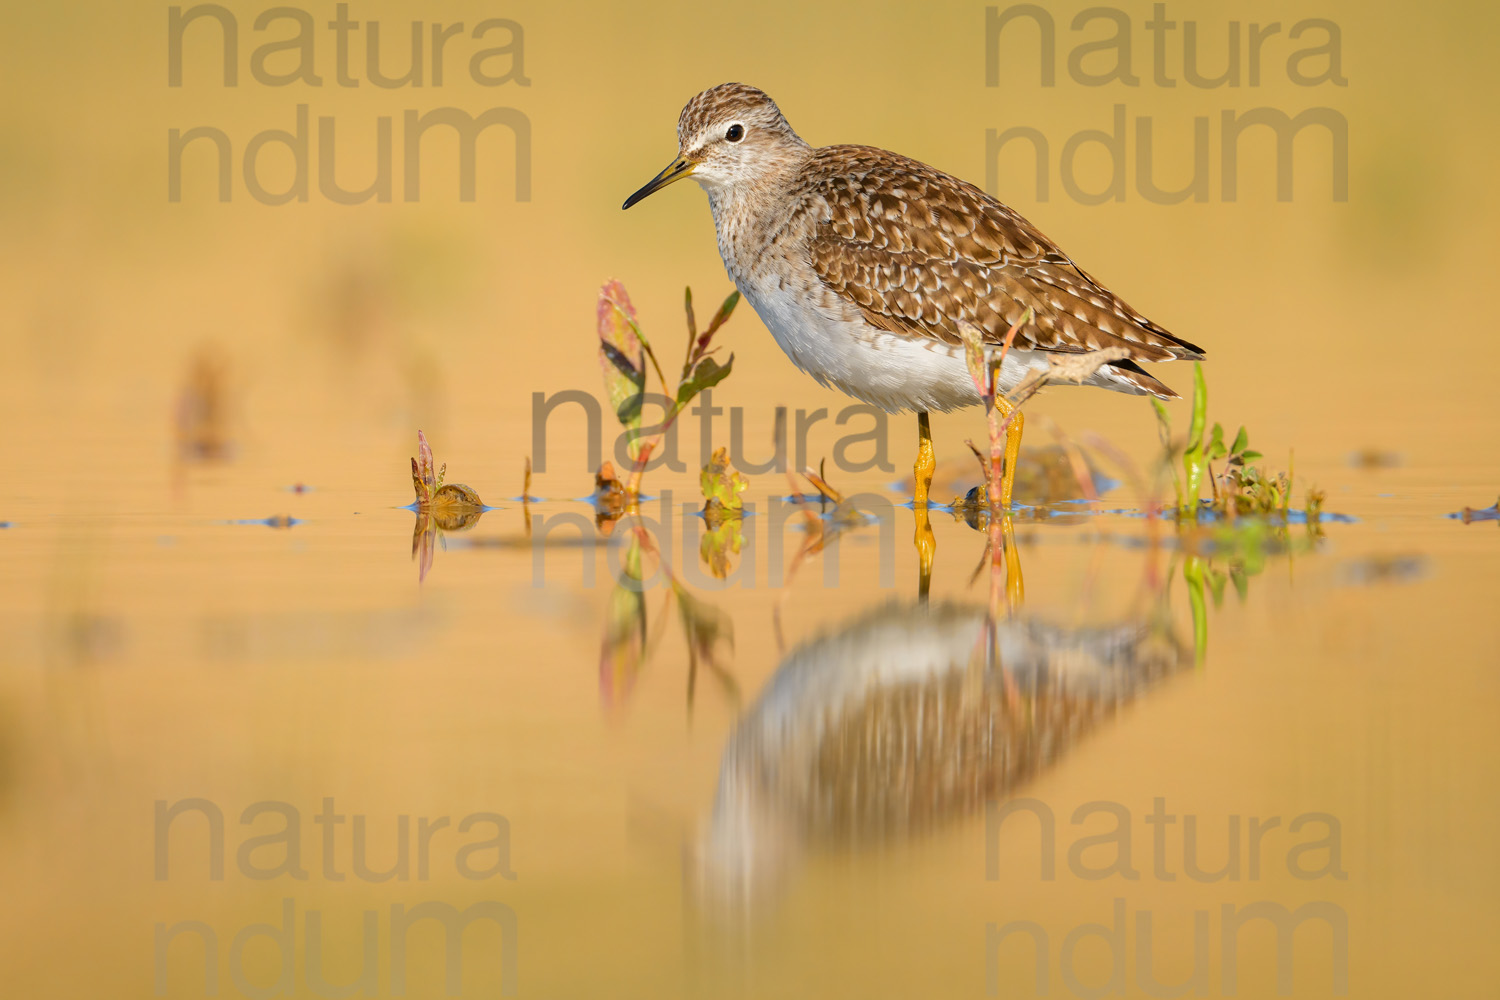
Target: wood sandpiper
(862, 263)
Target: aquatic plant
(1241, 488)
(722, 485)
(623, 353)
(439, 506)
(609, 498)
(432, 492)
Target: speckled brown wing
(916, 249)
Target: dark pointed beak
(676, 171)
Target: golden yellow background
(1330, 328)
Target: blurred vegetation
(1470, 514)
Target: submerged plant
(623, 353)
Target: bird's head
(728, 135)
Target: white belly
(891, 371)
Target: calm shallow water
(790, 798)
(797, 806)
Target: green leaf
(697, 346)
(1192, 458)
(722, 316)
(1200, 404)
(1250, 456)
(722, 482)
(1241, 441)
(629, 412)
(707, 374)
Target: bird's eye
(736, 132)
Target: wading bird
(862, 263)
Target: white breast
(894, 372)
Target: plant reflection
(628, 641)
(1231, 553)
(431, 524)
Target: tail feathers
(1127, 376)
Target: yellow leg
(926, 459)
(1015, 586)
(924, 540)
(1012, 448)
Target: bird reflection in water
(906, 720)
